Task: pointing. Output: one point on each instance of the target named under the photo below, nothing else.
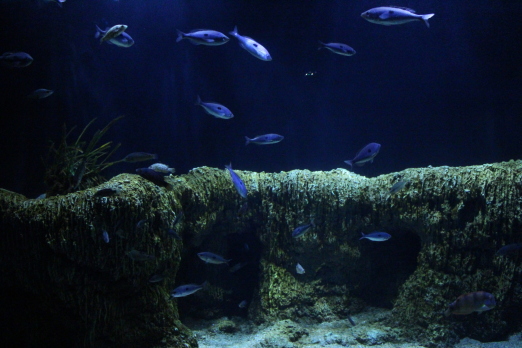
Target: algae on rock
(446, 226)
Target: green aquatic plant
(77, 166)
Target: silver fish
(215, 109)
(185, 290)
(105, 236)
(376, 236)
(113, 32)
(391, 15)
(238, 183)
(122, 40)
(162, 168)
(300, 230)
(398, 186)
(209, 257)
(203, 37)
(299, 269)
(264, 139)
(16, 59)
(252, 46)
(40, 93)
(338, 48)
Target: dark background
(447, 95)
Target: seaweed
(77, 166)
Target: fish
(113, 32)
(141, 223)
(300, 230)
(139, 157)
(478, 301)
(16, 59)
(376, 236)
(152, 176)
(40, 93)
(252, 46)
(391, 15)
(173, 234)
(264, 139)
(203, 37)
(243, 304)
(162, 168)
(137, 255)
(351, 320)
(215, 109)
(105, 236)
(187, 289)
(237, 267)
(209, 257)
(509, 249)
(123, 40)
(299, 269)
(58, 2)
(398, 186)
(238, 183)
(156, 278)
(366, 154)
(339, 48)
(107, 192)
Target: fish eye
(205, 34)
(219, 108)
(255, 45)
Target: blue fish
(152, 176)
(122, 40)
(16, 59)
(215, 109)
(397, 187)
(265, 139)
(509, 249)
(338, 48)
(185, 290)
(366, 154)
(209, 257)
(203, 37)
(300, 230)
(105, 236)
(238, 183)
(251, 46)
(376, 236)
(392, 15)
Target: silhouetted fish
(185, 290)
(338, 48)
(478, 301)
(509, 249)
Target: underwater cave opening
(228, 285)
(387, 266)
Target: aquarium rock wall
(100, 264)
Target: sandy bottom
(368, 331)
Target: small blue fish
(398, 186)
(40, 93)
(300, 230)
(509, 249)
(392, 15)
(299, 269)
(265, 139)
(123, 40)
(366, 154)
(203, 37)
(376, 236)
(173, 234)
(139, 157)
(152, 176)
(185, 290)
(209, 257)
(251, 46)
(16, 59)
(215, 109)
(243, 304)
(238, 183)
(105, 236)
(338, 48)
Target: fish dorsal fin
(404, 8)
(196, 30)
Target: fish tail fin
(426, 17)
(181, 35)
(234, 32)
(198, 101)
(350, 163)
(98, 32)
(321, 44)
(247, 140)
(363, 235)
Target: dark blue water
(447, 95)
